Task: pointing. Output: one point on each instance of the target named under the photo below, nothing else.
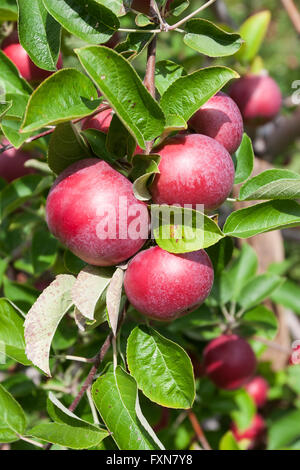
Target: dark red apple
(229, 362)
(12, 163)
(92, 210)
(163, 285)
(100, 122)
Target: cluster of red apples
(195, 168)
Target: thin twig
(149, 80)
(31, 441)
(198, 430)
(191, 15)
(293, 13)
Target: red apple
(12, 164)
(220, 118)
(92, 210)
(163, 285)
(28, 70)
(194, 169)
(295, 356)
(100, 122)
(258, 97)
(258, 390)
(253, 433)
(229, 361)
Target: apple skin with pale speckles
(258, 97)
(194, 169)
(229, 361)
(164, 286)
(86, 198)
(27, 69)
(220, 118)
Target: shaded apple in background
(253, 433)
(229, 361)
(220, 118)
(12, 163)
(164, 286)
(258, 97)
(113, 41)
(194, 169)
(258, 390)
(28, 70)
(100, 122)
(84, 202)
(141, 6)
(295, 356)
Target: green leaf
(243, 270)
(20, 190)
(11, 129)
(243, 160)
(260, 218)
(253, 31)
(187, 94)
(65, 147)
(181, 230)
(258, 289)
(22, 295)
(12, 417)
(124, 90)
(97, 141)
(43, 250)
(244, 415)
(162, 369)
(284, 431)
(65, 95)
(220, 254)
(115, 395)
(35, 22)
(44, 317)
(119, 141)
(79, 437)
(271, 184)
(288, 295)
(116, 6)
(144, 167)
(293, 378)
(228, 442)
(176, 7)
(167, 72)
(207, 38)
(72, 263)
(88, 19)
(88, 288)
(260, 321)
(8, 10)
(12, 332)
(134, 44)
